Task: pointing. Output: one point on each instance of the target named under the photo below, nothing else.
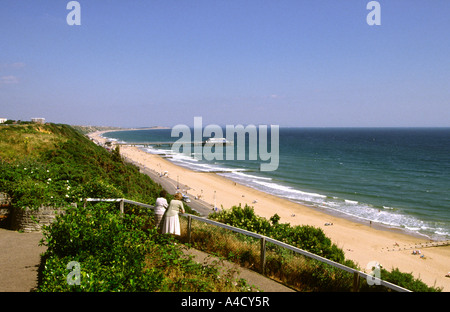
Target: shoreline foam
(361, 243)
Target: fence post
(121, 206)
(263, 254)
(356, 281)
(189, 229)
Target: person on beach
(171, 223)
(160, 207)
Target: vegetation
(122, 253)
(297, 271)
(54, 165)
(307, 237)
(89, 129)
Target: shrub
(405, 280)
(110, 248)
(122, 253)
(306, 237)
(297, 271)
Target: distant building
(38, 120)
(3, 120)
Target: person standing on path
(160, 208)
(171, 223)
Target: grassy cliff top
(51, 163)
(89, 129)
(18, 142)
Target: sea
(397, 178)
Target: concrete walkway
(253, 278)
(20, 256)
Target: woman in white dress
(171, 223)
(160, 208)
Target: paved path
(20, 256)
(261, 282)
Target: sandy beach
(362, 243)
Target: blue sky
(290, 63)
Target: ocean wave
(384, 215)
(240, 173)
(348, 192)
(290, 192)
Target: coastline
(361, 242)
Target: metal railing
(357, 275)
(122, 202)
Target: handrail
(300, 251)
(264, 239)
(119, 200)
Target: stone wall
(25, 220)
(32, 220)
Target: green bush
(122, 253)
(311, 275)
(405, 280)
(294, 270)
(307, 237)
(111, 249)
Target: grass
(191, 276)
(18, 142)
(55, 164)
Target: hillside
(88, 129)
(55, 164)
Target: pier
(159, 144)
